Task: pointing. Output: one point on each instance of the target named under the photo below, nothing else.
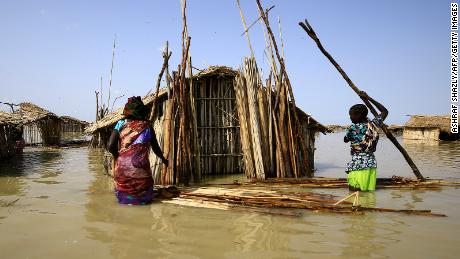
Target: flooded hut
(426, 127)
(217, 124)
(10, 132)
(40, 126)
(70, 124)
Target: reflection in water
(12, 172)
(66, 207)
(437, 154)
(33, 160)
(367, 199)
(360, 237)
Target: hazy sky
(53, 53)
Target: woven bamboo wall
(46, 131)
(218, 126)
(72, 127)
(32, 134)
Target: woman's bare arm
(112, 145)
(156, 148)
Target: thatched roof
(10, 118)
(429, 121)
(216, 70)
(117, 115)
(30, 112)
(68, 119)
(311, 122)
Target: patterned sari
(132, 167)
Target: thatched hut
(425, 127)
(217, 124)
(40, 126)
(71, 124)
(10, 132)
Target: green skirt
(364, 179)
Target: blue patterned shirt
(363, 138)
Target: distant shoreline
(396, 129)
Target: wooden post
(111, 70)
(166, 56)
(97, 105)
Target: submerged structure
(40, 126)
(429, 127)
(70, 124)
(10, 132)
(218, 126)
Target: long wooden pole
(166, 56)
(111, 69)
(97, 105)
(245, 27)
(307, 27)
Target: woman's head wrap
(135, 109)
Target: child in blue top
(363, 137)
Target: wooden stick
(196, 146)
(281, 37)
(166, 56)
(101, 93)
(97, 105)
(307, 27)
(113, 104)
(344, 199)
(252, 24)
(11, 105)
(245, 27)
(111, 69)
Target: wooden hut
(40, 126)
(426, 127)
(217, 124)
(10, 132)
(70, 124)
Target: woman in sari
(130, 144)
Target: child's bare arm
(383, 111)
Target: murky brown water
(56, 204)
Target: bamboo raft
(275, 201)
(395, 182)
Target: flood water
(56, 203)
